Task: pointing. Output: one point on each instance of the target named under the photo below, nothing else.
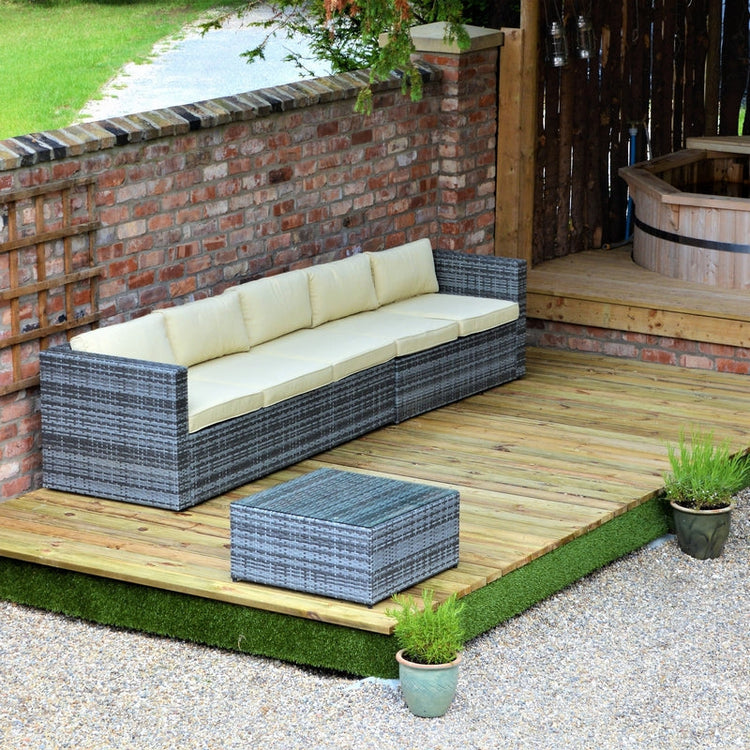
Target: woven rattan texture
(477, 362)
(277, 436)
(110, 427)
(118, 428)
(344, 535)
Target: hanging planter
(557, 42)
(558, 45)
(585, 37)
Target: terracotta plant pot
(701, 533)
(428, 689)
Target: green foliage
(290, 19)
(428, 635)
(57, 54)
(394, 20)
(347, 35)
(704, 475)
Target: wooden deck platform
(538, 462)
(606, 289)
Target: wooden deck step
(606, 289)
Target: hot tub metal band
(728, 247)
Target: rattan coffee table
(344, 535)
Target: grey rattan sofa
(176, 431)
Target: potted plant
(430, 640)
(700, 487)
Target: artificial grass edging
(310, 642)
(523, 588)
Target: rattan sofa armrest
(115, 389)
(481, 276)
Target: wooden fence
(664, 70)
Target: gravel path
(652, 652)
(193, 67)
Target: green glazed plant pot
(701, 533)
(428, 689)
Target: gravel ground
(652, 652)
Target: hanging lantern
(585, 31)
(558, 45)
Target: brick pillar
(466, 136)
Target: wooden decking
(538, 462)
(605, 289)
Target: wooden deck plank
(606, 289)
(538, 462)
(144, 541)
(610, 276)
(51, 549)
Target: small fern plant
(428, 634)
(704, 475)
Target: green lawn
(55, 55)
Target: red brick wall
(466, 143)
(194, 199)
(644, 347)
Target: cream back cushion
(274, 305)
(206, 329)
(140, 338)
(341, 288)
(404, 271)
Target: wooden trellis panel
(48, 280)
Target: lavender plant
(704, 474)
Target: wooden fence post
(516, 137)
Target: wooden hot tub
(692, 212)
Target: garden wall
(105, 221)
(646, 347)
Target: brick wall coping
(52, 145)
(431, 38)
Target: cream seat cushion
(140, 338)
(214, 401)
(473, 314)
(404, 271)
(274, 305)
(206, 329)
(341, 288)
(276, 377)
(346, 352)
(408, 333)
